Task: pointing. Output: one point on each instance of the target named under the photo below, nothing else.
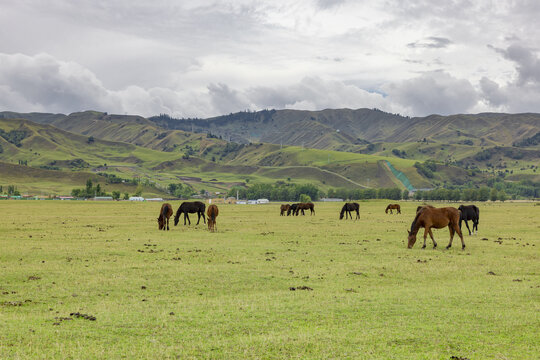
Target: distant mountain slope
(335, 128)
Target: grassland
(188, 293)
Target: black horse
(190, 207)
(469, 212)
(348, 208)
(292, 209)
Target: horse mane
(413, 225)
(177, 215)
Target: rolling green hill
(337, 148)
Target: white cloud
(210, 57)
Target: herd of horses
(188, 207)
(427, 217)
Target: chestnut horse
(164, 214)
(212, 213)
(304, 206)
(284, 209)
(393, 207)
(348, 208)
(429, 217)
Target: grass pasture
(188, 293)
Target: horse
(424, 206)
(305, 206)
(212, 213)
(469, 212)
(347, 208)
(284, 208)
(429, 217)
(292, 209)
(164, 214)
(393, 207)
(190, 207)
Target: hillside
(157, 151)
(34, 155)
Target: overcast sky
(204, 58)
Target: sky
(206, 58)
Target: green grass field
(188, 293)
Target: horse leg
(432, 239)
(357, 214)
(198, 217)
(203, 217)
(426, 232)
(475, 226)
(451, 228)
(467, 224)
(167, 224)
(458, 230)
(186, 216)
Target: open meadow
(88, 279)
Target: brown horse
(429, 217)
(424, 206)
(393, 207)
(212, 213)
(164, 214)
(284, 209)
(304, 206)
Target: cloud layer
(208, 58)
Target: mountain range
(330, 148)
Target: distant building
(155, 199)
(241, 202)
(252, 202)
(136, 198)
(263, 201)
(103, 198)
(332, 200)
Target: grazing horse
(347, 208)
(190, 207)
(164, 214)
(284, 209)
(469, 212)
(393, 207)
(212, 213)
(305, 206)
(424, 206)
(292, 209)
(429, 217)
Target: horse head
(160, 222)
(411, 239)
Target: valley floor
(264, 286)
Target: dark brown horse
(190, 207)
(164, 214)
(429, 217)
(393, 207)
(292, 209)
(284, 209)
(470, 212)
(348, 208)
(304, 206)
(212, 213)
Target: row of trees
(11, 190)
(90, 191)
(278, 192)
